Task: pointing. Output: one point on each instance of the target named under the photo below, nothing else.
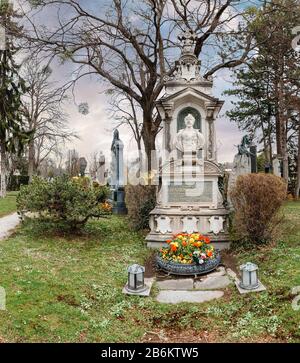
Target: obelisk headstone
(117, 175)
(101, 169)
(82, 166)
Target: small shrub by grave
(140, 200)
(257, 199)
(68, 203)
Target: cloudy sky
(95, 128)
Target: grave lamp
(136, 283)
(249, 276)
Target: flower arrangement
(106, 207)
(188, 248)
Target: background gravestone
(242, 164)
(101, 170)
(82, 166)
(277, 167)
(117, 175)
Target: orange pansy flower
(174, 248)
(209, 253)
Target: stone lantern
(136, 283)
(249, 276)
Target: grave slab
(176, 284)
(175, 297)
(212, 283)
(220, 271)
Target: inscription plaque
(194, 192)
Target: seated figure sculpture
(189, 140)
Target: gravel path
(8, 223)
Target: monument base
(165, 222)
(119, 206)
(189, 204)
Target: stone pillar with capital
(167, 138)
(211, 149)
(167, 133)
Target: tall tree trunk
(31, 160)
(266, 150)
(269, 136)
(149, 135)
(283, 130)
(285, 159)
(277, 119)
(141, 156)
(297, 188)
(3, 170)
(270, 149)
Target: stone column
(211, 152)
(167, 136)
(211, 136)
(167, 127)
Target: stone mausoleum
(188, 196)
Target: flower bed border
(188, 269)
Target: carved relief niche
(189, 224)
(163, 224)
(183, 113)
(216, 224)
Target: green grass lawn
(68, 289)
(8, 204)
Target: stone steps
(193, 290)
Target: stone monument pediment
(211, 168)
(199, 96)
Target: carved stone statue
(189, 140)
(82, 165)
(243, 148)
(188, 40)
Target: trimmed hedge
(140, 200)
(257, 199)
